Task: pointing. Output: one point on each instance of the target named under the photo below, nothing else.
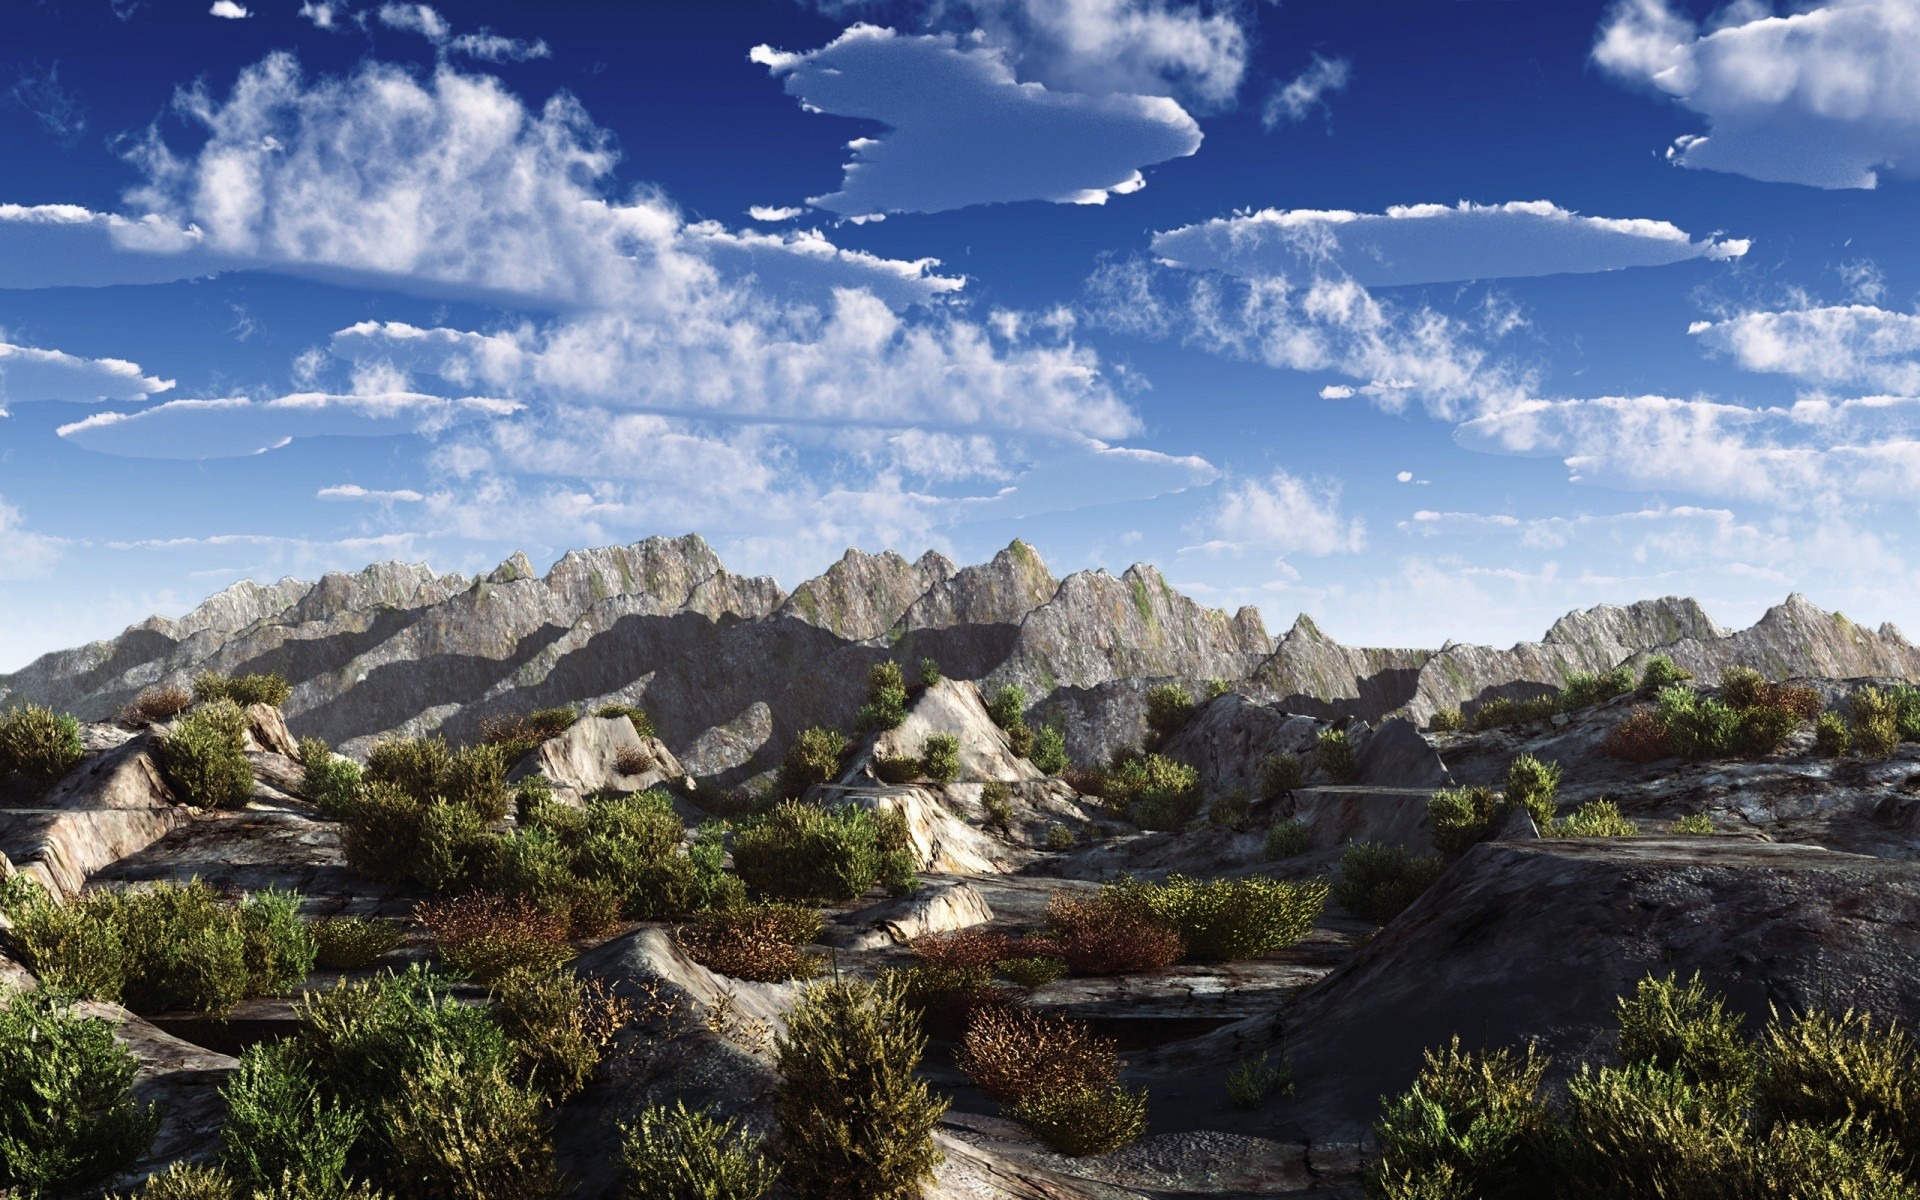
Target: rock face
(586, 759)
(110, 806)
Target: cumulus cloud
(1854, 345)
(1825, 96)
(231, 427)
(1281, 514)
(1195, 52)
(765, 212)
(963, 131)
(1432, 243)
(230, 10)
(353, 491)
(1293, 101)
(323, 13)
(28, 374)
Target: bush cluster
(1059, 838)
(809, 852)
(679, 1153)
(1595, 818)
(1152, 791)
(1660, 674)
(167, 948)
(940, 757)
(243, 690)
(1378, 881)
(204, 756)
(1584, 689)
(1101, 934)
(1049, 749)
(68, 1117)
(1750, 718)
(38, 745)
(761, 942)
(559, 1026)
(1877, 719)
(996, 801)
(160, 702)
(1169, 708)
(814, 758)
(486, 937)
(1504, 712)
(1231, 810)
(517, 735)
(896, 768)
(1054, 1075)
(351, 943)
(1223, 920)
(886, 705)
(1695, 825)
(1447, 720)
(1640, 737)
(620, 857)
(855, 1119)
(1020, 739)
(930, 675)
(1815, 1105)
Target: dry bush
(489, 937)
(1085, 1121)
(161, 702)
(1100, 937)
(1640, 738)
(896, 768)
(1798, 699)
(633, 760)
(965, 949)
(761, 942)
(1013, 1054)
(560, 1026)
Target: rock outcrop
(587, 758)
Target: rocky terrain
(1807, 894)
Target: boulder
(585, 759)
(941, 840)
(938, 907)
(267, 730)
(953, 707)
(181, 1078)
(1230, 736)
(1394, 754)
(112, 805)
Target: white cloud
(426, 21)
(234, 426)
(1291, 102)
(230, 10)
(1405, 477)
(25, 554)
(353, 491)
(1196, 52)
(963, 131)
(1431, 243)
(65, 245)
(28, 374)
(764, 212)
(1282, 514)
(1852, 344)
(1825, 96)
(322, 13)
(804, 264)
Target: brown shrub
(560, 1026)
(1013, 1054)
(162, 702)
(947, 997)
(489, 937)
(1098, 936)
(1803, 702)
(964, 949)
(633, 760)
(1639, 738)
(760, 942)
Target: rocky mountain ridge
(731, 667)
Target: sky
(1432, 320)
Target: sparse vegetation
(1503, 712)
(244, 690)
(854, 1117)
(1333, 754)
(902, 768)
(1461, 817)
(678, 1153)
(1640, 737)
(1055, 1076)
(1230, 811)
(633, 760)
(68, 1117)
(929, 672)
(1252, 1080)
(1595, 818)
(996, 800)
(560, 1026)
(1217, 688)
(1085, 1121)
(1831, 737)
(1020, 739)
(805, 851)
(642, 723)
(814, 758)
(1873, 722)
(204, 757)
(940, 757)
(1169, 708)
(1447, 720)
(517, 735)
(1049, 750)
(1288, 839)
(1150, 790)
(1695, 825)
(1377, 881)
(161, 702)
(1007, 705)
(1059, 838)
(1585, 689)
(1280, 774)
(760, 941)
(886, 705)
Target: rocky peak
(1799, 638)
(1638, 626)
(398, 585)
(513, 569)
(1000, 592)
(231, 609)
(667, 569)
(863, 595)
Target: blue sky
(1432, 320)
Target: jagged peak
(937, 565)
(512, 568)
(1303, 629)
(232, 608)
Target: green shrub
(1679, 1027)
(1447, 720)
(1169, 708)
(1252, 1080)
(1506, 711)
(280, 947)
(530, 794)
(1031, 970)
(1660, 674)
(1831, 737)
(1906, 705)
(455, 851)
(813, 758)
(1161, 786)
(886, 705)
(1581, 689)
(243, 690)
(929, 672)
(1007, 705)
(1333, 754)
(1595, 818)
(940, 757)
(896, 769)
(38, 744)
(362, 1036)
(1059, 837)
(1698, 727)
(642, 723)
(996, 798)
(461, 1129)
(1875, 722)
(1224, 920)
(1761, 730)
(1694, 825)
(1280, 774)
(1642, 1130)
(1472, 1127)
(187, 1181)
(1217, 688)
(414, 765)
(1020, 739)
(1531, 784)
(1461, 817)
(380, 834)
(560, 1026)
(1820, 1070)
(476, 778)
(552, 722)
(1231, 811)
(68, 1118)
(350, 943)
(64, 945)
(333, 784)
(1288, 839)
(204, 758)
(855, 1119)
(1049, 750)
(1085, 1121)
(278, 1123)
(1377, 881)
(680, 1154)
(1743, 687)
(804, 851)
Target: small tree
(855, 1120)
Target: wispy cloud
(1293, 101)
